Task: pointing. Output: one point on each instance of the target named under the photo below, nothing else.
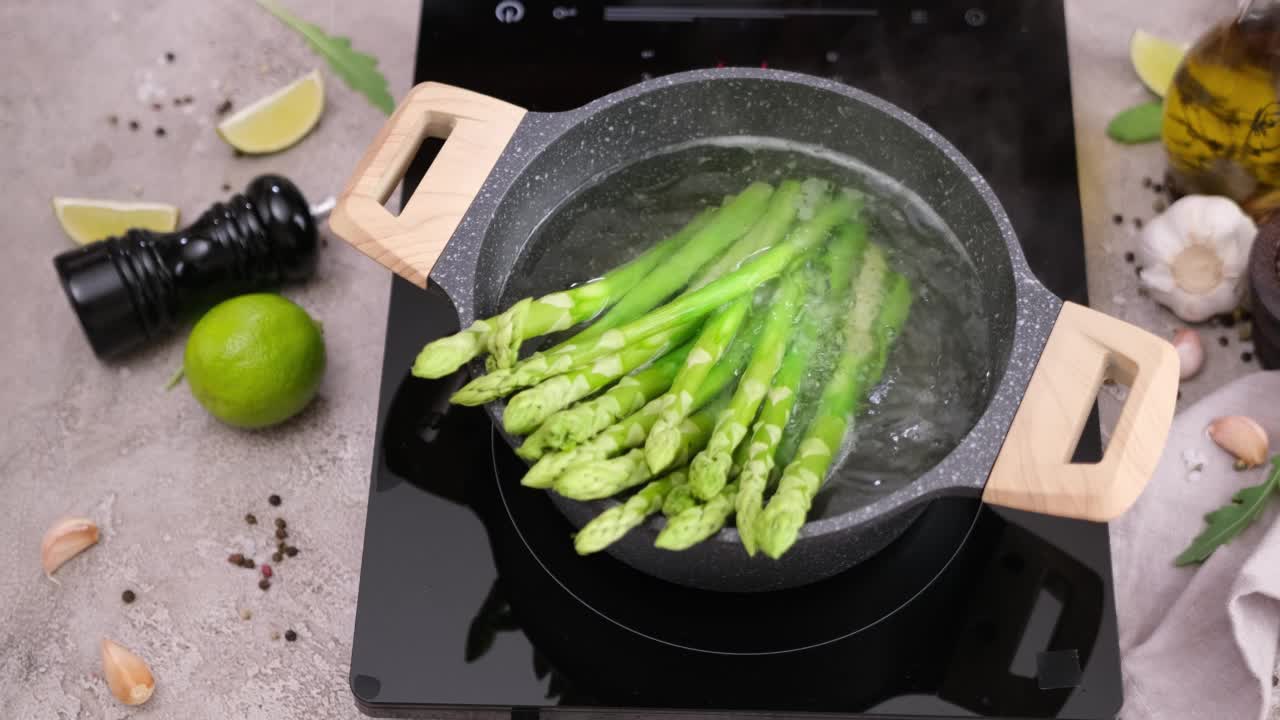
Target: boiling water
(938, 377)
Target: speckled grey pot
(552, 155)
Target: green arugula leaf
(358, 70)
(1138, 124)
(1225, 523)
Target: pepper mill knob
(130, 290)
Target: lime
(1155, 60)
(254, 360)
(278, 120)
(86, 221)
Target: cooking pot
(502, 170)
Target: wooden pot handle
(1034, 470)
(476, 129)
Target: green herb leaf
(1138, 124)
(358, 70)
(1225, 523)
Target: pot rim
(964, 470)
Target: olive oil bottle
(1221, 122)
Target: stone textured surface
(170, 486)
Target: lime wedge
(86, 221)
(1155, 60)
(278, 120)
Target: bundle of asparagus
(687, 373)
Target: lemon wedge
(1155, 60)
(278, 120)
(86, 221)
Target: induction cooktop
(470, 595)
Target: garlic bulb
(1194, 256)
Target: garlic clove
(1190, 352)
(64, 540)
(1242, 437)
(127, 675)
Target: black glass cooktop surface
(470, 594)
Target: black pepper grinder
(133, 289)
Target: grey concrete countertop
(169, 485)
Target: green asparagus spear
(713, 341)
(731, 222)
(529, 408)
(768, 231)
(881, 302)
(761, 448)
(603, 478)
(503, 333)
(609, 526)
(695, 524)
(709, 471)
(575, 425)
(631, 432)
(758, 270)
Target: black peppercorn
(281, 523)
(1157, 188)
(159, 132)
(1137, 223)
(281, 533)
(251, 519)
(1117, 218)
(1128, 257)
(223, 108)
(235, 559)
(133, 125)
(1246, 356)
(1223, 341)
(1146, 182)
(248, 563)
(277, 556)
(264, 584)
(290, 635)
(127, 596)
(274, 500)
(291, 551)
(170, 57)
(226, 187)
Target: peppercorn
(248, 563)
(1223, 341)
(290, 635)
(159, 132)
(226, 187)
(1137, 223)
(1117, 218)
(133, 125)
(1128, 257)
(266, 570)
(1146, 182)
(157, 106)
(282, 533)
(251, 519)
(280, 523)
(223, 108)
(277, 556)
(274, 500)
(128, 596)
(1246, 356)
(264, 584)
(1157, 188)
(235, 559)
(170, 57)
(291, 551)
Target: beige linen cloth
(1200, 643)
